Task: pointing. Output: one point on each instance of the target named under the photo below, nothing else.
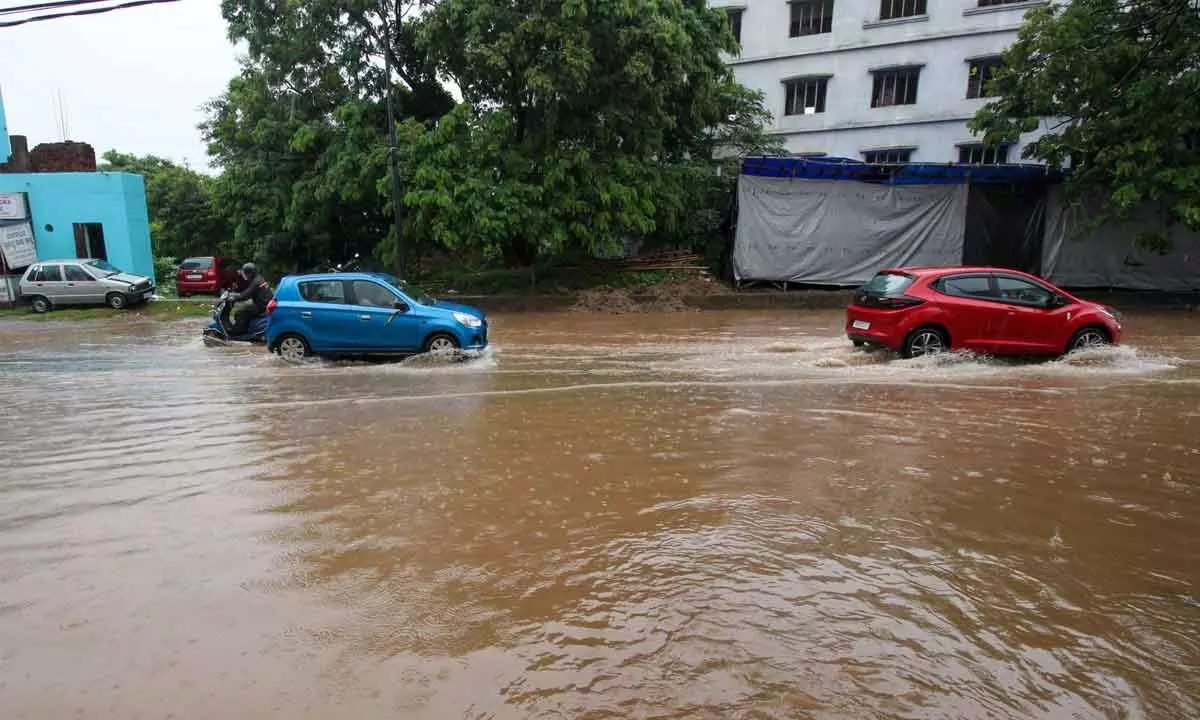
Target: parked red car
(208, 274)
(919, 311)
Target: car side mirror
(400, 305)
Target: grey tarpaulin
(1005, 226)
(835, 232)
(1108, 257)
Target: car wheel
(925, 341)
(293, 348)
(116, 301)
(859, 343)
(1088, 337)
(40, 304)
(441, 343)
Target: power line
(88, 11)
(52, 5)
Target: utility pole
(393, 171)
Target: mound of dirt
(667, 297)
(670, 296)
(606, 300)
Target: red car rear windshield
(196, 264)
(888, 284)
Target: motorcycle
(219, 331)
(351, 265)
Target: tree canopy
(1117, 84)
(301, 133)
(583, 124)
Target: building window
(89, 241)
(735, 22)
(982, 155)
(897, 86)
(980, 74)
(892, 9)
(811, 17)
(805, 96)
(890, 156)
(991, 3)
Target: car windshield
(102, 267)
(412, 291)
(887, 284)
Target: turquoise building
(70, 214)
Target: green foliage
(164, 272)
(300, 134)
(1120, 81)
(585, 123)
(183, 218)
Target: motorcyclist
(252, 301)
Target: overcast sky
(133, 80)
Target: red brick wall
(63, 157)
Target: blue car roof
(337, 276)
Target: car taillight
(271, 306)
(899, 303)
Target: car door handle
(364, 317)
(305, 314)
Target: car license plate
(195, 277)
(861, 325)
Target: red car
(923, 310)
(208, 274)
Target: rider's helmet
(249, 269)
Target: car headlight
(469, 320)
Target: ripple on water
(785, 613)
(743, 516)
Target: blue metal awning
(827, 168)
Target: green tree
(301, 133)
(1119, 81)
(179, 200)
(584, 123)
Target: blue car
(366, 314)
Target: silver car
(82, 281)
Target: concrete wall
(941, 42)
(115, 200)
(5, 149)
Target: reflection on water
(704, 515)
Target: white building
(877, 80)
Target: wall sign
(16, 242)
(12, 206)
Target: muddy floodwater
(697, 515)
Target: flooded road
(701, 515)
